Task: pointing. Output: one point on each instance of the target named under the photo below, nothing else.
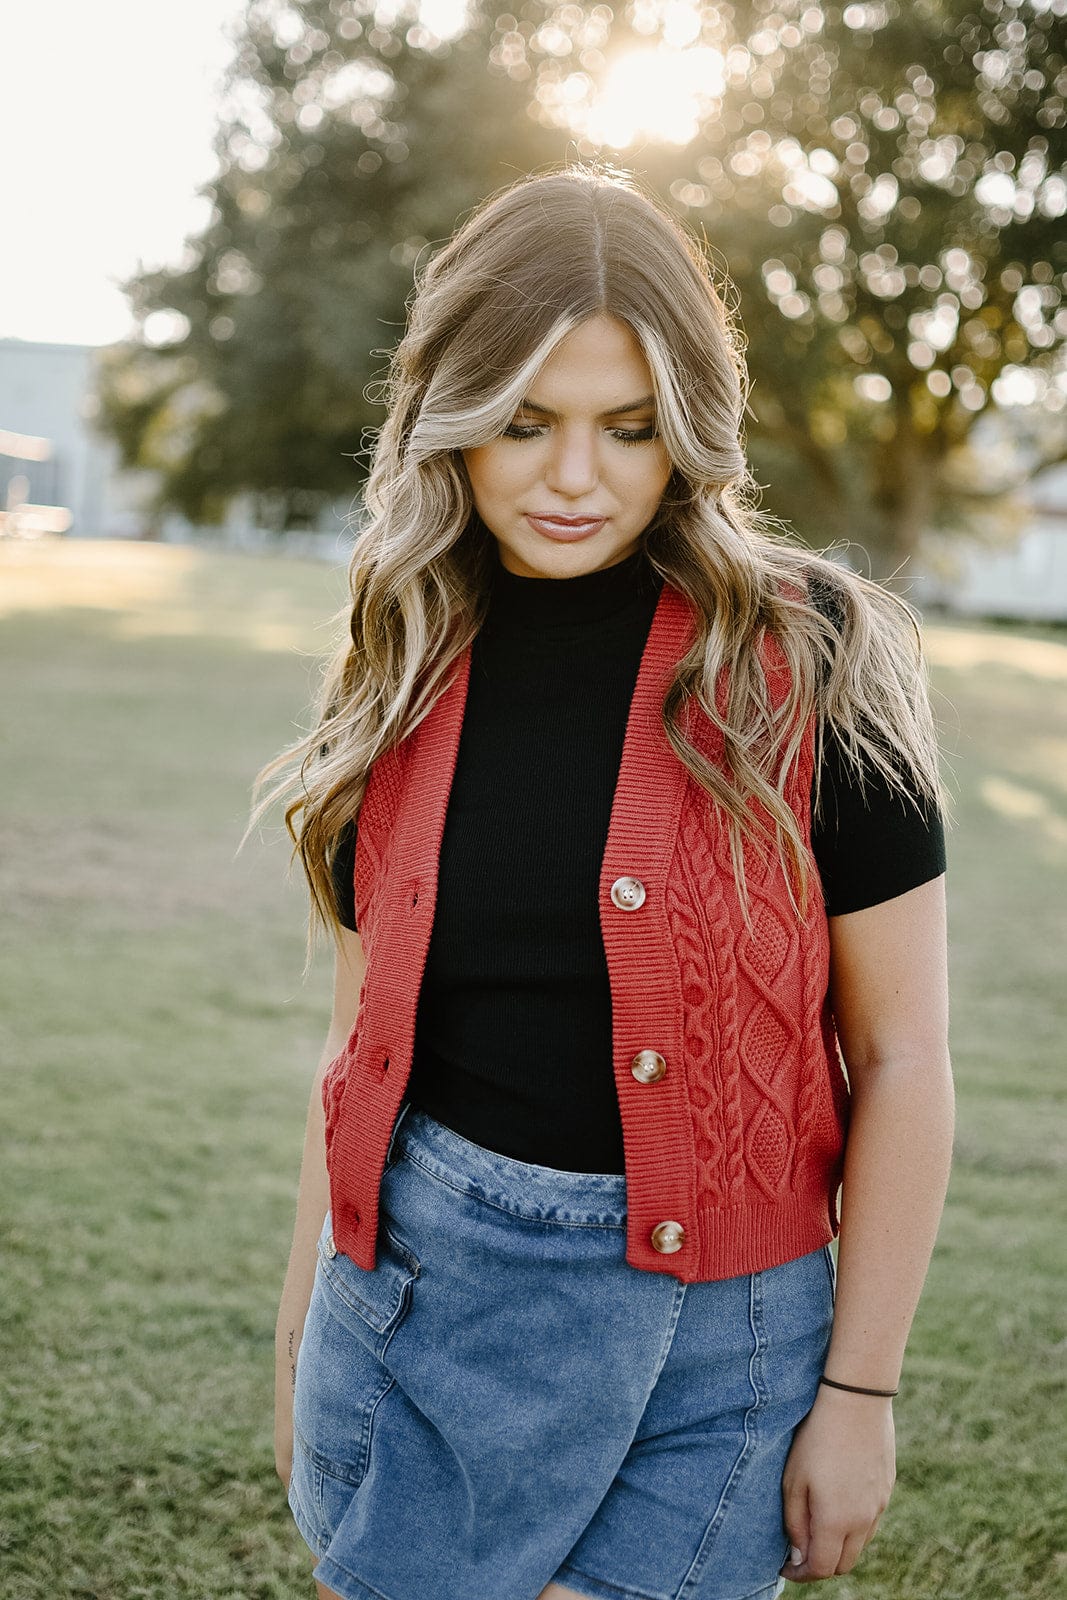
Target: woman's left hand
(837, 1482)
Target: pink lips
(566, 528)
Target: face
(573, 482)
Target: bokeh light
(661, 94)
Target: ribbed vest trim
(657, 1132)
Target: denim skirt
(504, 1400)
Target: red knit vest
(738, 1138)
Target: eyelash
(623, 435)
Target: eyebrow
(616, 411)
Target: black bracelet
(852, 1388)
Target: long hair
(530, 264)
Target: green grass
(158, 1043)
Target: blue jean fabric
(504, 1400)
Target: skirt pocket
(370, 1303)
(342, 1374)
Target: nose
(572, 467)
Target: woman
(635, 807)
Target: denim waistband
(528, 1190)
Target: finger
(794, 1561)
(851, 1551)
(797, 1518)
(824, 1552)
(871, 1531)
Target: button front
(628, 893)
(331, 1248)
(667, 1237)
(648, 1066)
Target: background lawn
(158, 1043)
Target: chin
(563, 560)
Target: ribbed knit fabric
(740, 1141)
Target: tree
(884, 185)
(346, 149)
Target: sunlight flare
(658, 93)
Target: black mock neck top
(513, 1028)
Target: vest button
(648, 1066)
(628, 893)
(667, 1237)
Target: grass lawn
(158, 1043)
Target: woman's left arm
(889, 994)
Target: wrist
(873, 1391)
(856, 1414)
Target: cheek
(472, 462)
(650, 478)
(492, 474)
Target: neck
(588, 597)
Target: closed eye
(519, 430)
(634, 435)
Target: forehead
(597, 366)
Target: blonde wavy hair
(529, 264)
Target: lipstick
(566, 529)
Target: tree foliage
(346, 149)
(884, 183)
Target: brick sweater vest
(731, 1092)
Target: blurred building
(1024, 577)
(56, 474)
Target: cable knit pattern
(740, 1141)
(700, 928)
(753, 1001)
